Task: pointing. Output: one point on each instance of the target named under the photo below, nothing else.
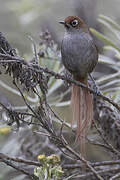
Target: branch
(79, 157)
(115, 177)
(86, 162)
(103, 163)
(102, 172)
(36, 76)
(34, 163)
(38, 69)
(108, 125)
(31, 176)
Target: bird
(79, 56)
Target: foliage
(28, 10)
(5, 130)
(48, 56)
(50, 168)
(110, 84)
(37, 83)
(46, 53)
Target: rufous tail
(82, 112)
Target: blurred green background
(18, 19)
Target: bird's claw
(96, 89)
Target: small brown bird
(79, 56)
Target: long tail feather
(82, 112)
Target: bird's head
(74, 23)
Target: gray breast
(79, 54)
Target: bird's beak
(65, 24)
(62, 22)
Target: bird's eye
(74, 23)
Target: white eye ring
(74, 23)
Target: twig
(106, 163)
(108, 144)
(34, 163)
(98, 144)
(60, 141)
(21, 113)
(34, 48)
(31, 176)
(37, 68)
(115, 176)
(86, 162)
(61, 120)
(102, 172)
(68, 148)
(103, 163)
(36, 116)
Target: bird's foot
(95, 87)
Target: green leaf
(109, 77)
(110, 28)
(117, 53)
(106, 60)
(61, 104)
(105, 39)
(110, 21)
